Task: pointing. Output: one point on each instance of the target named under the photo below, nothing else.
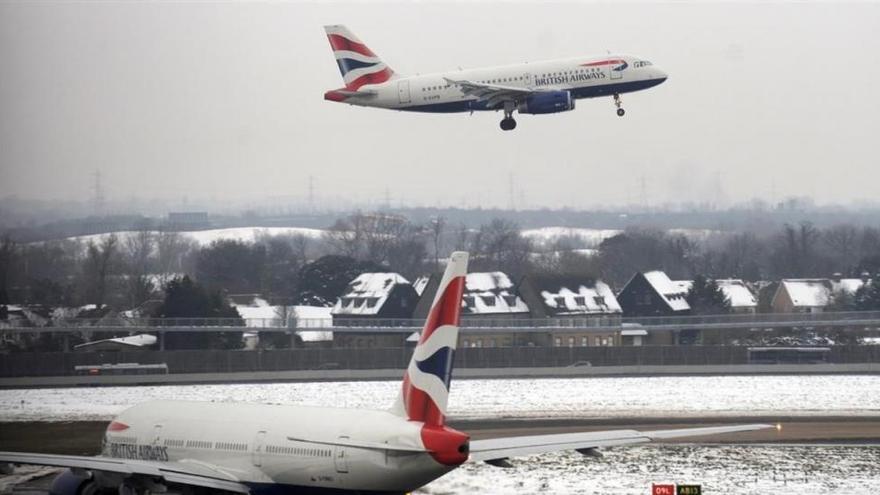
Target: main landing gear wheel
(508, 124)
(617, 103)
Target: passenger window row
(199, 444)
(241, 447)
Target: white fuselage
(434, 93)
(274, 446)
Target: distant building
(188, 220)
(582, 301)
(489, 298)
(374, 299)
(811, 295)
(654, 294)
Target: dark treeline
(127, 271)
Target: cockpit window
(642, 63)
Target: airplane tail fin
(357, 63)
(425, 391)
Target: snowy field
(772, 469)
(856, 395)
(206, 237)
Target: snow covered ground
(206, 237)
(627, 397)
(734, 469)
(590, 237)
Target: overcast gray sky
(224, 101)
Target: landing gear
(617, 103)
(507, 123)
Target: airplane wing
(492, 94)
(183, 472)
(497, 450)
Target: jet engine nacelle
(547, 102)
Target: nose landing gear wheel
(508, 124)
(621, 112)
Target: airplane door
(527, 80)
(403, 91)
(157, 434)
(259, 445)
(340, 457)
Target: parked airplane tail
(425, 390)
(357, 63)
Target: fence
(599, 323)
(217, 361)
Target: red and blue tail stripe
(358, 64)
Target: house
(578, 301)
(811, 295)
(654, 294)
(741, 298)
(309, 323)
(489, 298)
(374, 299)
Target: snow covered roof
(570, 297)
(817, 292)
(848, 285)
(491, 293)
(674, 293)
(367, 293)
(142, 340)
(737, 293)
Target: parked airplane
(550, 86)
(186, 447)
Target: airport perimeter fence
(232, 361)
(853, 319)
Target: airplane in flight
(191, 447)
(545, 87)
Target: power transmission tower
(97, 194)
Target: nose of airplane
(660, 75)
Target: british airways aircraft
(550, 86)
(190, 447)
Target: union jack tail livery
(425, 391)
(358, 64)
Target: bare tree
(842, 243)
(139, 248)
(99, 263)
(437, 225)
(8, 252)
(171, 247)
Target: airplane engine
(68, 483)
(547, 102)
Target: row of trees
(124, 271)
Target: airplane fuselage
(582, 77)
(275, 447)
